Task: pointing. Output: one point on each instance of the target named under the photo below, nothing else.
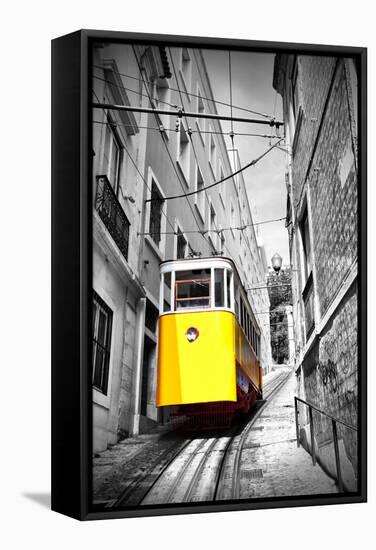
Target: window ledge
(101, 399)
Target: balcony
(112, 214)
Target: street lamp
(277, 262)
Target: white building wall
(149, 156)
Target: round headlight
(192, 334)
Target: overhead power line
(268, 286)
(252, 163)
(165, 144)
(180, 113)
(191, 94)
(162, 128)
(239, 228)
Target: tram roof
(190, 263)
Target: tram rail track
(199, 469)
(272, 389)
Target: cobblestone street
(271, 464)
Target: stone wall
(323, 176)
(329, 380)
(333, 187)
(314, 75)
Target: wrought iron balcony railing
(112, 214)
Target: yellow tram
(208, 339)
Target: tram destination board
(208, 316)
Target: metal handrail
(334, 421)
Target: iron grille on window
(112, 214)
(102, 325)
(155, 214)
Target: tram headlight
(192, 334)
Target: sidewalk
(272, 465)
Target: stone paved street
(272, 464)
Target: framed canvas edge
(81, 427)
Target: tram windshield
(192, 290)
(204, 288)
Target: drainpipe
(137, 372)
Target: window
(297, 111)
(156, 206)
(183, 152)
(192, 290)
(200, 110)
(222, 186)
(165, 292)
(151, 316)
(219, 288)
(212, 227)
(162, 96)
(308, 294)
(185, 68)
(236, 299)
(181, 245)
(295, 89)
(305, 232)
(200, 197)
(111, 155)
(232, 217)
(308, 298)
(222, 238)
(102, 325)
(235, 166)
(212, 154)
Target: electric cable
(194, 95)
(166, 146)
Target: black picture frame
(72, 273)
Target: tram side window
(255, 340)
(166, 291)
(192, 289)
(228, 286)
(219, 288)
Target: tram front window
(192, 289)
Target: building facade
(140, 160)
(320, 113)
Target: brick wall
(331, 376)
(323, 171)
(333, 186)
(314, 75)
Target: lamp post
(277, 263)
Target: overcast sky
(252, 76)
